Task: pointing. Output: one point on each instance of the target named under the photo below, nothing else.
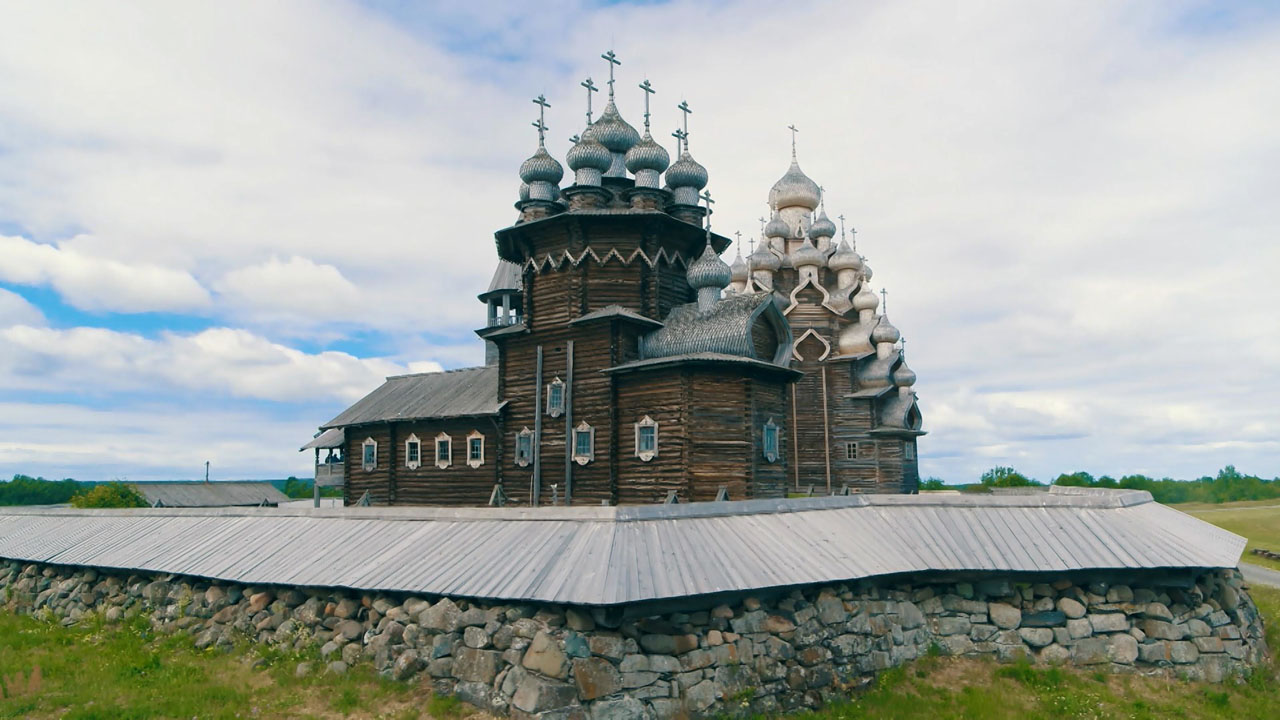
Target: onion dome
(708, 271)
(866, 270)
(865, 299)
(541, 167)
(844, 258)
(807, 255)
(739, 270)
(762, 259)
(646, 160)
(590, 154)
(686, 177)
(795, 189)
(613, 132)
(524, 191)
(885, 332)
(822, 227)
(777, 227)
(904, 376)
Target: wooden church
(628, 363)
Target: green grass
(125, 672)
(1258, 520)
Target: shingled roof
(725, 328)
(467, 392)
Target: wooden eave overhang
(707, 359)
(514, 242)
(897, 432)
(496, 331)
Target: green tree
(1002, 476)
(933, 483)
(110, 495)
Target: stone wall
(789, 650)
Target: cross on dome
(793, 130)
(613, 60)
(541, 102)
(648, 90)
(591, 88)
(684, 108)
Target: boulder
(441, 617)
(595, 678)
(536, 694)
(473, 665)
(1109, 622)
(1004, 616)
(545, 656)
(406, 665)
(1071, 608)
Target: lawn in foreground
(1259, 521)
(124, 672)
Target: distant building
(211, 494)
(627, 363)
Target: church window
(524, 447)
(475, 449)
(370, 455)
(851, 451)
(647, 439)
(769, 441)
(444, 451)
(412, 452)
(908, 450)
(584, 443)
(555, 398)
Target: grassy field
(1259, 521)
(124, 673)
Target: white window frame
(908, 450)
(435, 451)
(409, 462)
(647, 455)
(770, 428)
(555, 409)
(475, 435)
(364, 454)
(524, 460)
(581, 458)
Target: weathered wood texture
(393, 482)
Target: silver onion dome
(541, 167)
(708, 271)
(844, 258)
(795, 189)
(777, 227)
(590, 154)
(686, 172)
(647, 155)
(739, 270)
(524, 191)
(822, 227)
(865, 299)
(762, 259)
(866, 270)
(885, 332)
(613, 132)
(904, 376)
(807, 255)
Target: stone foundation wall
(766, 654)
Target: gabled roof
(725, 328)
(467, 392)
(615, 312)
(331, 438)
(210, 494)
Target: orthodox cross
(591, 88)
(853, 234)
(841, 218)
(793, 130)
(903, 349)
(613, 60)
(575, 139)
(738, 234)
(884, 301)
(684, 108)
(706, 196)
(648, 90)
(761, 219)
(822, 198)
(680, 136)
(541, 102)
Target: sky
(221, 223)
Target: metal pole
(795, 436)
(537, 432)
(568, 425)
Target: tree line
(28, 490)
(1229, 485)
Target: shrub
(110, 495)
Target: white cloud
(94, 283)
(223, 362)
(15, 310)
(297, 290)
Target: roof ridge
(438, 372)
